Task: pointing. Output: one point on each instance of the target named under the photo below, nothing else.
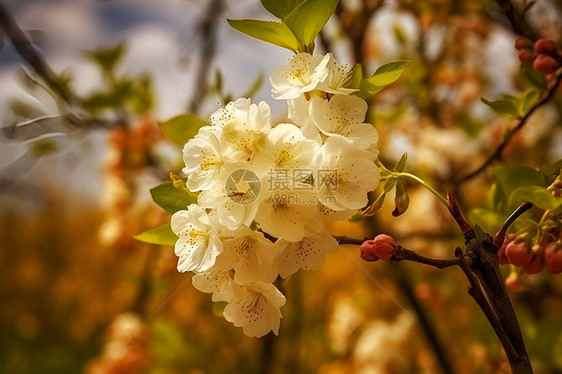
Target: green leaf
(107, 58)
(308, 19)
(488, 219)
(527, 100)
(182, 128)
(269, 31)
(280, 8)
(503, 107)
(356, 76)
(170, 198)
(375, 206)
(538, 196)
(551, 170)
(510, 178)
(401, 199)
(401, 165)
(385, 75)
(162, 235)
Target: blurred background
(81, 146)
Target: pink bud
(534, 266)
(367, 250)
(384, 246)
(512, 282)
(518, 253)
(545, 64)
(522, 42)
(553, 258)
(502, 258)
(545, 46)
(526, 56)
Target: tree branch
(517, 20)
(500, 235)
(31, 55)
(498, 152)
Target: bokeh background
(78, 294)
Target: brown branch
(500, 235)
(404, 254)
(498, 152)
(475, 290)
(344, 239)
(517, 20)
(457, 215)
(209, 32)
(31, 54)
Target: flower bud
(512, 282)
(367, 250)
(384, 246)
(534, 266)
(518, 253)
(545, 46)
(526, 56)
(502, 258)
(545, 64)
(553, 258)
(522, 42)
(381, 247)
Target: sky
(162, 39)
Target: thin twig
(500, 235)
(404, 254)
(31, 54)
(517, 20)
(498, 152)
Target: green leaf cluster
(171, 199)
(514, 186)
(181, 128)
(513, 106)
(300, 22)
(383, 76)
(392, 179)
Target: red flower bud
(367, 250)
(522, 42)
(512, 282)
(534, 266)
(502, 258)
(518, 253)
(526, 56)
(545, 46)
(545, 64)
(384, 246)
(381, 247)
(553, 259)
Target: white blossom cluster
(266, 191)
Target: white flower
(285, 148)
(204, 157)
(346, 172)
(284, 214)
(250, 255)
(344, 115)
(302, 75)
(299, 113)
(338, 78)
(306, 74)
(235, 198)
(198, 243)
(307, 253)
(243, 125)
(258, 311)
(218, 282)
